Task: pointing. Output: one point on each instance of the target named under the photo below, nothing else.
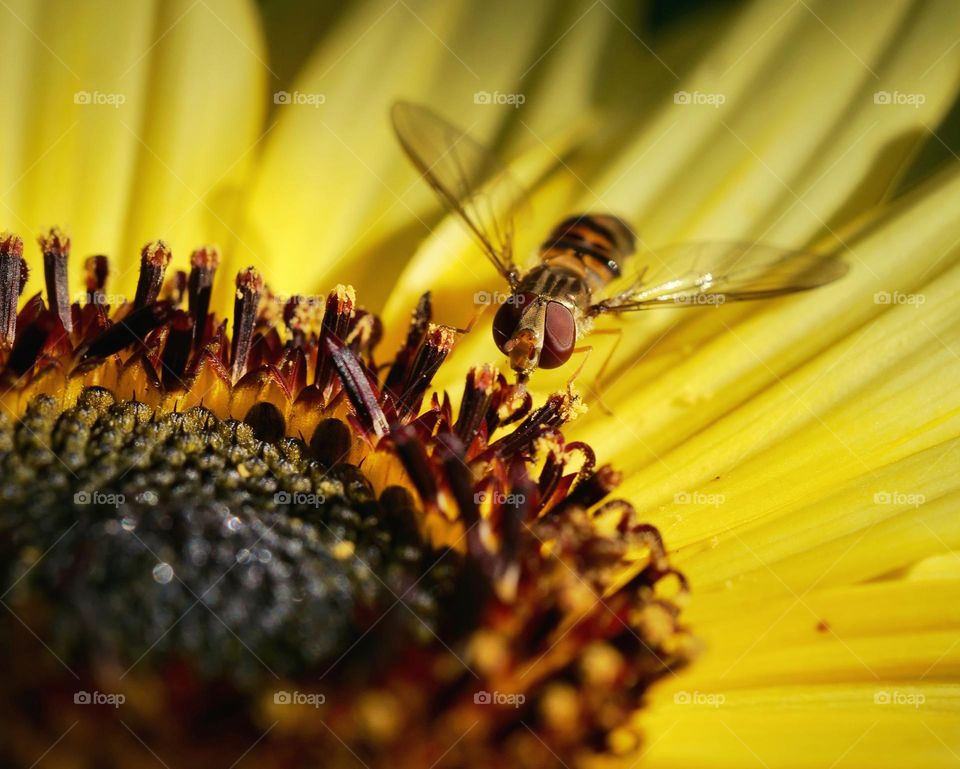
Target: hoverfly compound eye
(508, 317)
(559, 335)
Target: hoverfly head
(534, 332)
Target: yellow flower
(797, 455)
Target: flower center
(256, 515)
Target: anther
(337, 316)
(55, 246)
(591, 490)
(133, 329)
(203, 267)
(360, 392)
(176, 353)
(154, 259)
(477, 396)
(249, 288)
(11, 260)
(558, 410)
(419, 323)
(438, 343)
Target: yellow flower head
(265, 502)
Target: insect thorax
(558, 282)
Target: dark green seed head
(182, 536)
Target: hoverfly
(552, 304)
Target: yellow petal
(333, 164)
(878, 396)
(129, 122)
(819, 679)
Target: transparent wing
(466, 177)
(697, 274)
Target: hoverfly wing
(697, 274)
(466, 176)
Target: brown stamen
(30, 344)
(590, 491)
(358, 388)
(203, 267)
(414, 457)
(433, 352)
(133, 329)
(96, 269)
(337, 316)
(451, 452)
(559, 409)
(154, 259)
(11, 260)
(175, 288)
(417, 332)
(55, 246)
(477, 396)
(176, 353)
(249, 288)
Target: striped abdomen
(590, 246)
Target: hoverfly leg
(586, 350)
(597, 387)
(478, 313)
(598, 379)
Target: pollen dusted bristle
(249, 289)
(419, 322)
(477, 395)
(55, 246)
(203, 268)
(206, 258)
(11, 284)
(437, 344)
(338, 314)
(154, 259)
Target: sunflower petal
(774, 666)
(121, 133)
